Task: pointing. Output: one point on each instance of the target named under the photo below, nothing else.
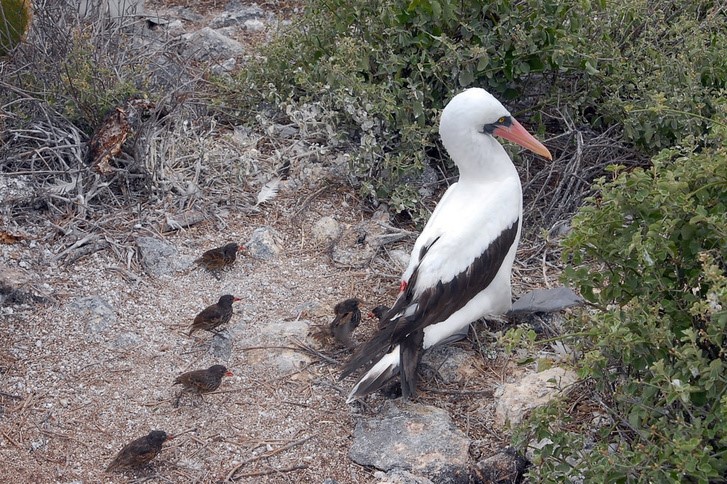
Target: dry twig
(266, 456)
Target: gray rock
(413, 437)
(279, 333)
(452, 363)
(97, 314)
(158, 257)
(238, 16)
(400, 257)
(208, 44)
(265, 243)
(546, 301)
(326, 230)
(224, 66)
(221, 345)
(254, 25)
(282, 331)
(533, 390)
(399, 476)
(507, 466)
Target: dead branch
(273, 471)
(266, 456)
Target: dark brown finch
(215, 315)
(201, 381)
(139, 452)
(348, 317)
(220, 257)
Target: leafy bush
(661, 68)
(379, 72)
(650, 250)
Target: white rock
(326, 230)
(534, 390)
(254, 25)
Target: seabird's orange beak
(519, 135)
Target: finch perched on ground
(215, 315)
(348, 317)
(201, 381)
(139, 452)
(220, 257)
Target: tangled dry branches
(54, 93)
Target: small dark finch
(220, 258)
(139, 452)
(201, 381)
(348, 317)
(215, 315)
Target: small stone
(514, 400)
(546, 300)
(265, 243)
(502, 468)
(209, 44)
(159, 258)
(221, 345)
(451, 363)
(326, 230)
(400, 258)
(125, 340)
(254, 25)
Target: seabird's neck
(480, 158)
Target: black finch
(139, 452)
(215, 315)
(348, 317)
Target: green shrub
(15, 17)
(650, 250)
(661, 68)
(379, 72)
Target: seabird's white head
(468, 124)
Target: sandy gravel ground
(84, 393)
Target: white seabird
(461, 263)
